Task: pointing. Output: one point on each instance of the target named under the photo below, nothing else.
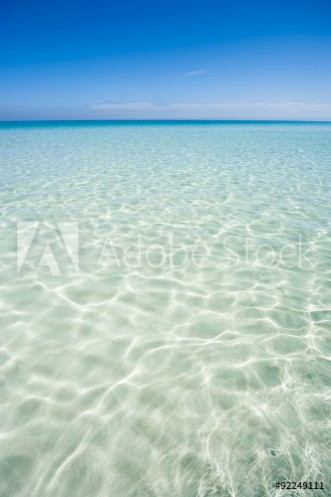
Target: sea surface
(165, 309)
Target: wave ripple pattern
(165, 309)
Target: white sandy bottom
(188, 353)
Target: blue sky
(165, 60)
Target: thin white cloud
(248, 110)
(213, 106)
(126, 106)
(189, 74)
(215, 110)
(195, 73)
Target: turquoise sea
(165, 309)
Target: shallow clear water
(165, 309)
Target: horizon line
(2, 121)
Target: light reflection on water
(166, 324)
